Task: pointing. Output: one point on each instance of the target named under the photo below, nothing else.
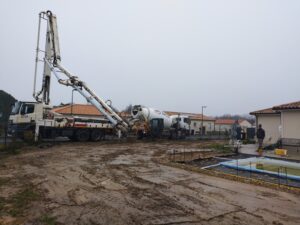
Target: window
(30, 109)
(16, 108)
(27, 108)
(178, 119)
(155, 123)
(187, 120)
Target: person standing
(260, 134)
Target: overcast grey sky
(234, 56)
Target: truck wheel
(96, 135)
(183, 134)
(73, 138)
(82, 135)
(171, 135)
(140, 134)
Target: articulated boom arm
(90, 96)
(52, 64)
(52, 53)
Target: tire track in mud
(155, 195)
(137, 188)
(111, 172)
(132, 174)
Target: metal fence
(279, 176)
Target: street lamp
(203, 107)
(72, 101)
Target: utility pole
(203, 107)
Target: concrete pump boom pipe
(92, 93)
(37, 50)
(52, 64)
(91, 97)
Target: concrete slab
(251, 150)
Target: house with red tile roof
(83, 110)
(197, 121)
(244, 124)
(225, 121)
(290, 123)
(207, 124)
(270, 121)
(224, 125)
(281, 122)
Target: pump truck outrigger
(37, 117)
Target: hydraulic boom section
(52, 64)
(52, 53)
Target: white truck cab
(183, 122)
(38, 119)
(24, 116)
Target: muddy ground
(124, 183)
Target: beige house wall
(223, 127)
(244, 125)
(196, 124)
(290, 124)
(271, 124)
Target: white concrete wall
(290, 124)
(196, 124)
(244, 125)
(223, 127)
(270, 123)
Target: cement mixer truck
(156, 123)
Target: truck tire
(140, 134)
(82, 135)
(73, 138)
(96, 135)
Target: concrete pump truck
(37, 117)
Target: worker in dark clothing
(260, 134)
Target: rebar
(237, 167)
(278, 176)
(286, 178)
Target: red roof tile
(275, 109)
(83, 110)
(193, 116)
(78, 109)
(264, 111)
(225, 121)
(292, 105)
